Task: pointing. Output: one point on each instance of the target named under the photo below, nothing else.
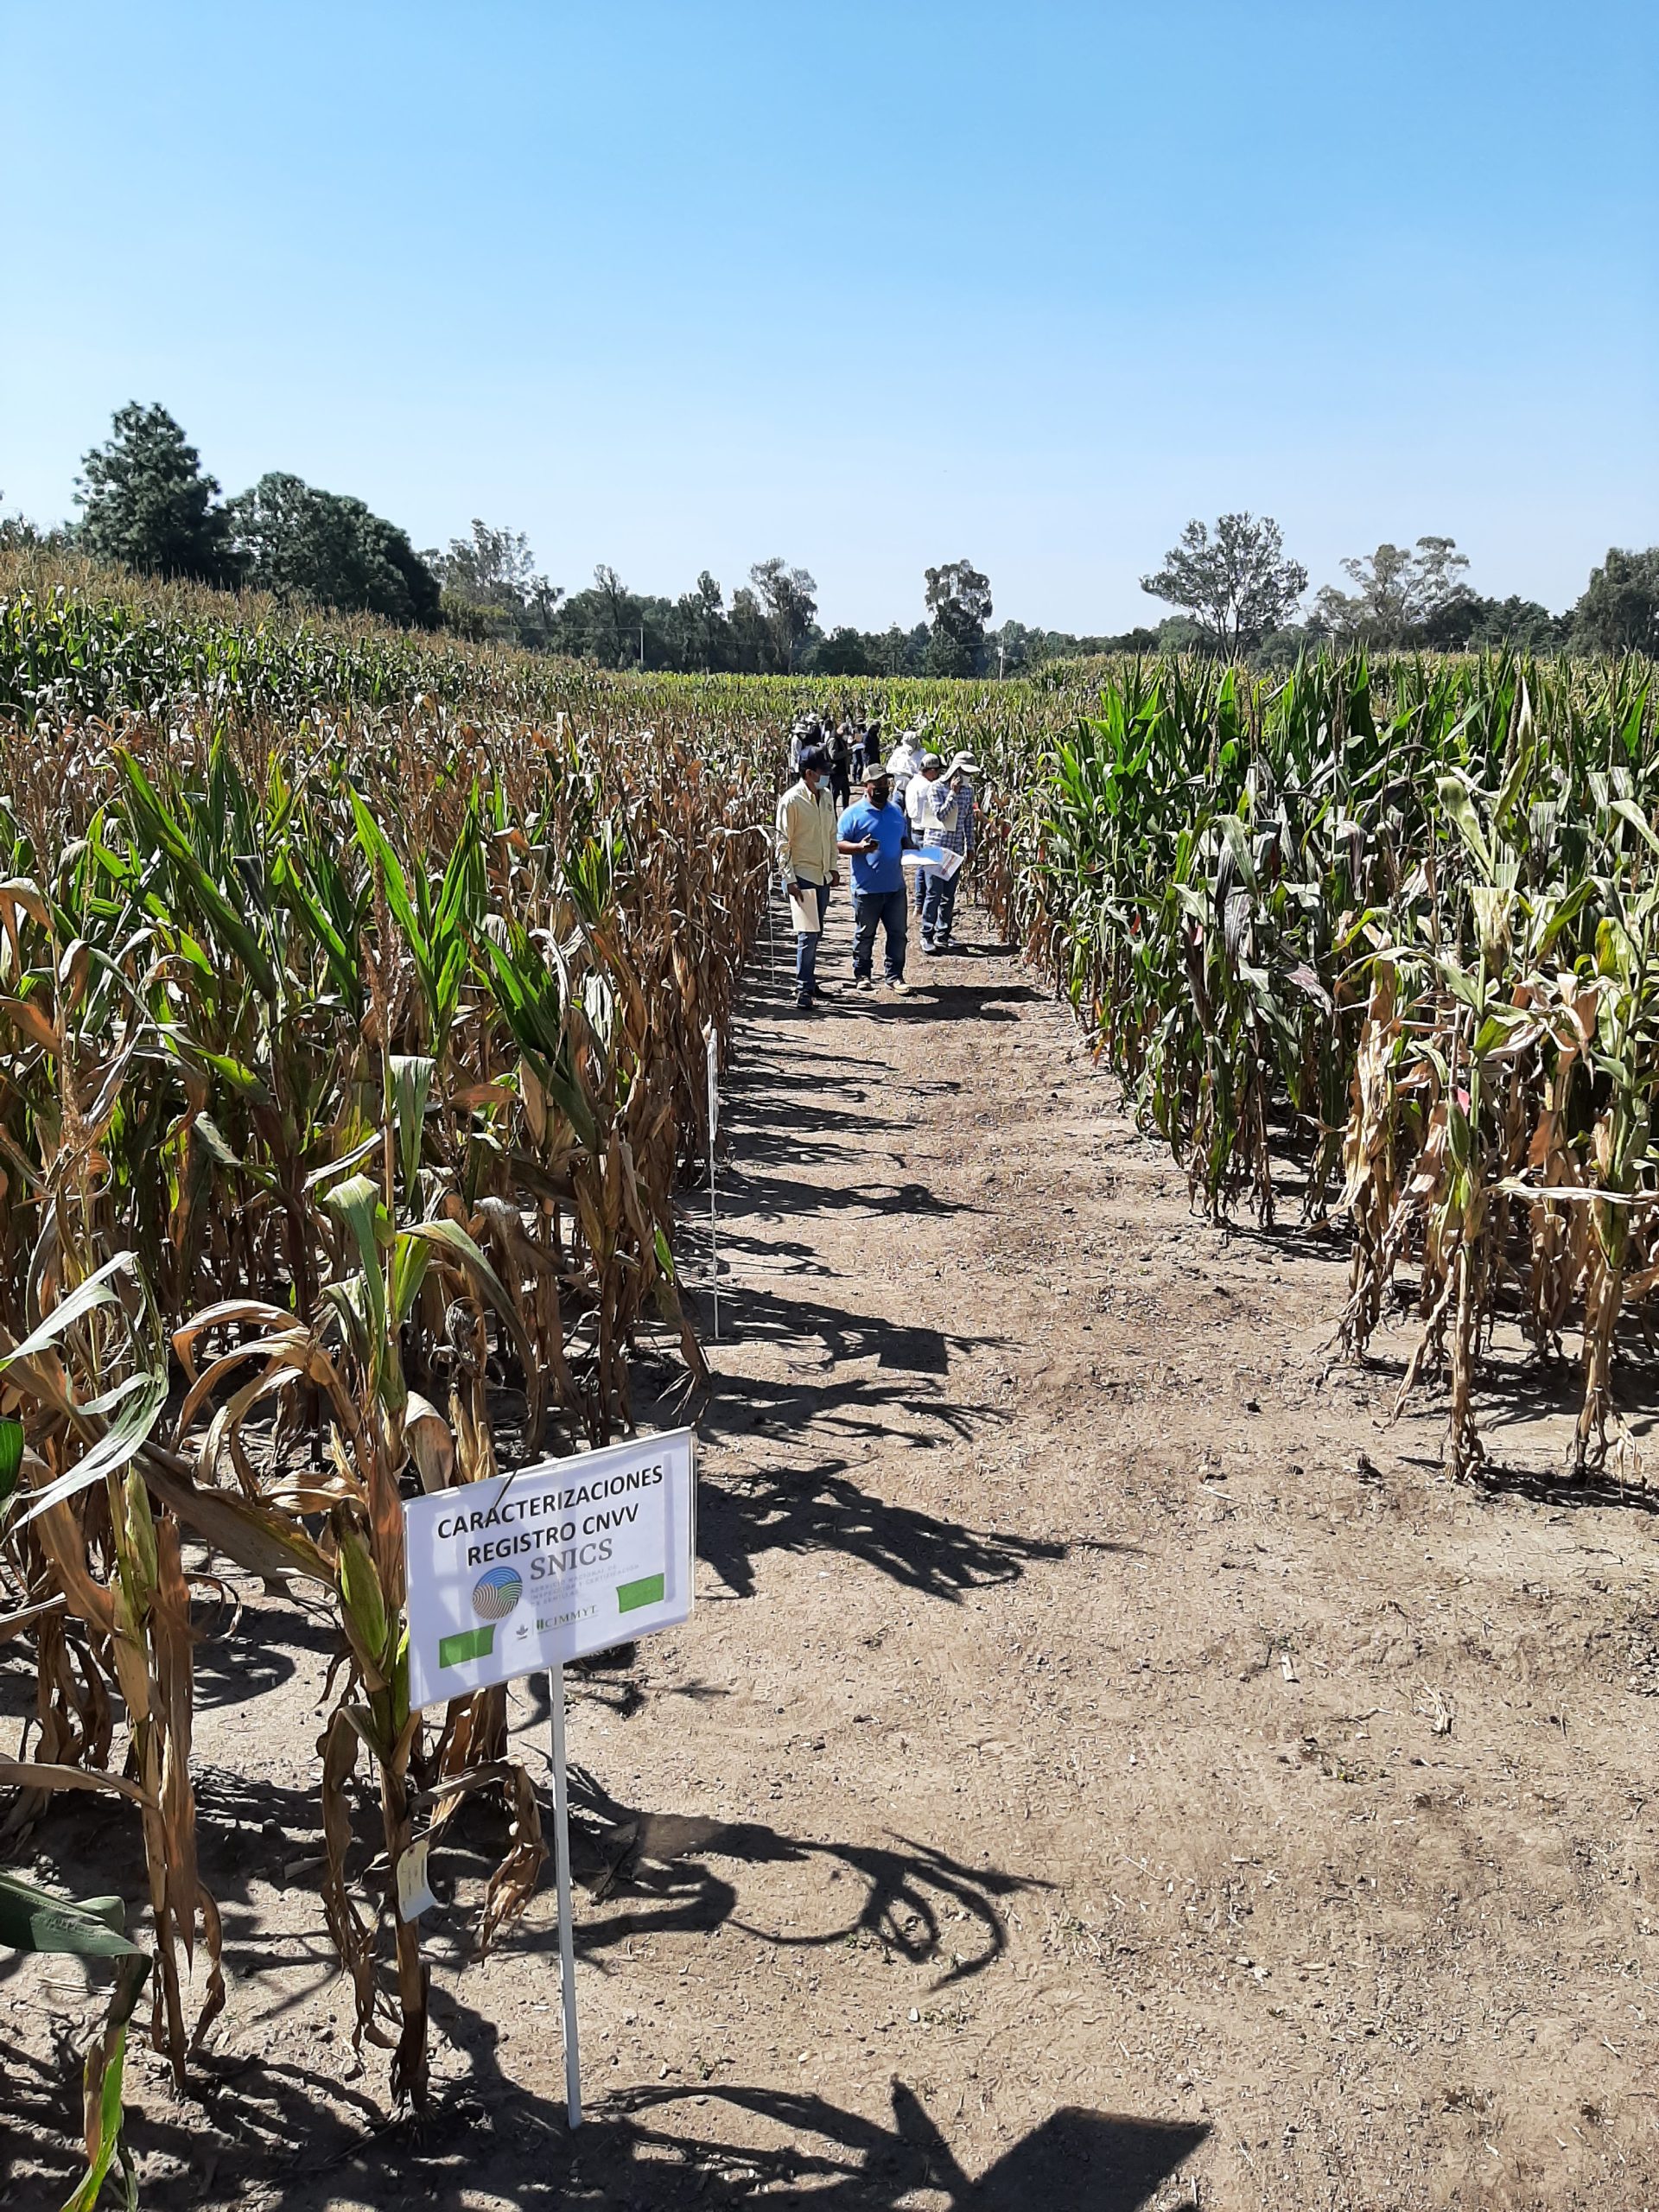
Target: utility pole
(642, 645)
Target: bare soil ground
(1108, 1767)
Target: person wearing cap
(841, 766)
(955, 835)
(872, 832)
(806, 861)
(929, 804)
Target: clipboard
(803, 915)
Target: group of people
(915, 818)
(849, 748)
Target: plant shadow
(259, 2133)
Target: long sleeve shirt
(931, 809)
(956, 836)
(904, 764)
(806, 834)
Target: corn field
(353, 994)
(1402, 921)
(351, 1046)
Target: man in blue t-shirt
(872, 833)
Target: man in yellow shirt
(807, 863)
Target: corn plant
(352, 1052)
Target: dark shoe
(930, 944)
(803, 1004)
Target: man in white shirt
(905, 764)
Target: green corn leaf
(139, 1548)
(11, 1456)
(1559, 914)
(1455, 799)
(411, 1259)
(348, 1302)
(32, 1919)
(85, 1297)
(451, 1238)
(344, 970)
(1628, 810)
(146, 1394)
(1465, 988)
(361, 1596)
(378, 852)
(130, 1408)
(1459, 1142)
(217, 1147)
(109, 2054)
(242, 1079)
(365, 1149)
(531, 1006)
(151, 820)
(356, 1203)
(411, 1084)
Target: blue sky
(871, 287)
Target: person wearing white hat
(930, 804)
(955, 835)
(904, 763)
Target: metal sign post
(518, 1574)
(567, 1926)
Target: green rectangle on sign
(630, 1596)
(470, 1643)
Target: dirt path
(1048, 1805)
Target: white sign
(414, 1891)
(527, 1570)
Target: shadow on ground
(899, 1894)
(263, 2134)
(821, 1509)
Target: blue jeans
(806, 941)
(939, 905)
(886, 908)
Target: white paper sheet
(932, 860)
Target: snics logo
(496, 1592)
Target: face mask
(880, 794)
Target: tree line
(148, 503)
(1242, 595)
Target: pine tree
(150, 503)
